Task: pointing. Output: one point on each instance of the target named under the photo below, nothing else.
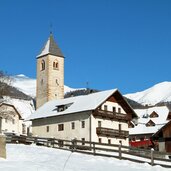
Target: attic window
(150, 123)
(154, 115)
(61, 108)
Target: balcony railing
(112, 132)
(111, 115)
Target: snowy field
(34, 158)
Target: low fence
(100, 149)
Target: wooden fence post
(94, 148)
(53, 142)
(73, 141)
(35, 140)
(152, 156)
(120, 151)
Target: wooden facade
(111, 115)
(164, 137)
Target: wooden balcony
(111, 115)
(111, 132)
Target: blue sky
(124, 44)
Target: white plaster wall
(162, 147)
(10, 127)
(39, 127)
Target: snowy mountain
(158, 93)
(28, 85)
(25, 84)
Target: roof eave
(40, 56)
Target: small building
(150, 120)
(13, 113)
(98, 117)
(163, 136)
(10, 119)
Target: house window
(82, 124)
(100, 140)
(120, 127)
(60, 127)
(13, 121)
(83, 141)
(55, 64)
(42, 65)
(72, 125)
(6, 120)
(119, 110)
(23, 128)
(109, 141)
(99, 123)
(47, 128)
(105, 107)
(114, 109)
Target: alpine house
(98, 117)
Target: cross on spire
(51, 26)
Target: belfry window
(55, 64)
(42, 65)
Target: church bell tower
(50, 73)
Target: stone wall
(2, 146)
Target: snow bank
(34, 158)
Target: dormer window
(42, 65)
(154, 115)
(55, 64)
(150, 123)
(61, 108)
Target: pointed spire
(50, 47)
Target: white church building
(100, 117)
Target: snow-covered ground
(34, 158)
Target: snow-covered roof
(50, 48)
(144, 118)
(77, 104)
(24, 107)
